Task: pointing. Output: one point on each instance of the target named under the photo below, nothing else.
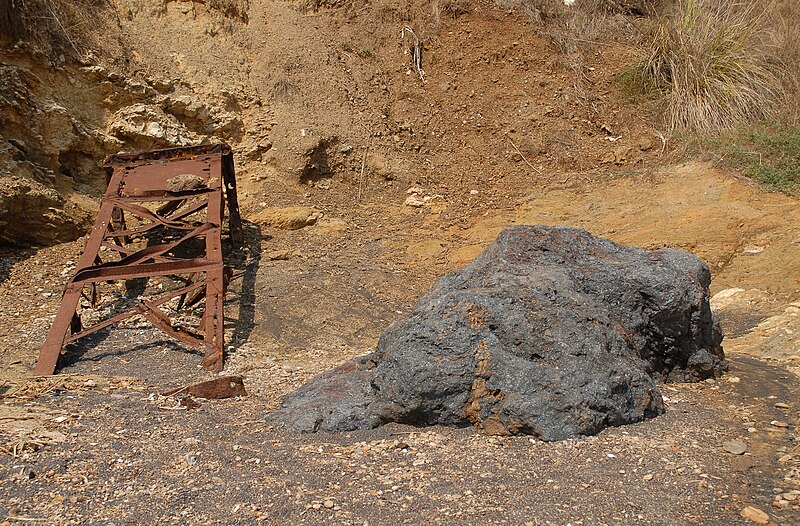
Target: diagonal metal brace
(137, 186)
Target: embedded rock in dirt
(147, 127)
(550, 332)
(33, 214)
(287, 218)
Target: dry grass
(782, 38)
(52, 26)
(711, 61)
(556, 11)
(450, 8)
(581, 29)
(716, 63)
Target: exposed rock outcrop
(57, 125)
(550, 332)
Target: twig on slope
(416, 50)
(523, 157)
(361, 177)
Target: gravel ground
(120, 453)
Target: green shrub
(778, 163)
(768, 153)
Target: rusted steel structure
(161, 218)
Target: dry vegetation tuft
(52, 26)
(710, 59)
(580, 28)
(782, 37)
(237, 9)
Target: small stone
(287, 218)
(645, 143)
(278, 255)
(90, 383)
(184, 182)
(734, 379)
(735, 447)
(756, 515)
(414, 201)
(781, 504)
(778, 423)
(751, 429)
(781, 405)
(328, 504)
(649, 476)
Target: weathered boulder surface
(550, 331)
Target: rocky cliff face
(56, 126)
(59, 118)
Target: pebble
(328, 504)
(735, 447)
(756, 515)
(414, 202)
(778, 423)
(734, 379)
(649, 476)
(781, 405)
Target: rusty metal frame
(133, 181)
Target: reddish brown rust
(134, 180)
(225, 387)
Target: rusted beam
(138, 309)
(144, 200)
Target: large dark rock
(550, 331)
